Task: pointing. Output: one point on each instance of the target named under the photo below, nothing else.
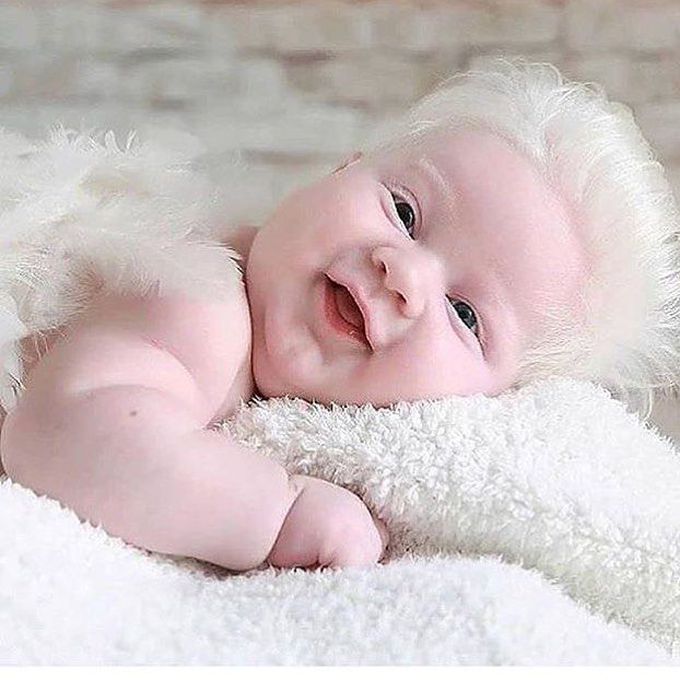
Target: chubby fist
(327, 526)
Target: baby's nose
(402, 277)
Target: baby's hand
(328, 526)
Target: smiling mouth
(343, 313)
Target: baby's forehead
(481, 171)
(459, 146)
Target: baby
(510, 227)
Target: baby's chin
(270, 382)
(270, 385)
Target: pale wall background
(294, 86)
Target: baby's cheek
(429, 376)
(464, 378)
(459, 370)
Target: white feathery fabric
(77, 210)
(556, 477)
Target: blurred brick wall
(294, 86)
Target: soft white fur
(78, 210)
(557, 476)
(73, 595)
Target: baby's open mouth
(348, 312)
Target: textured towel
(557, 476)
(73, 595)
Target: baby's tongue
(348, 308)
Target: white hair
(593, 154)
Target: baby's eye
(406, 213)
(466, 313)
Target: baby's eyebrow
(427, 167)
(435, 182)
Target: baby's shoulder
(211, 339)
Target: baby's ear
(350, 161)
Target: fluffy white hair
(591, 151)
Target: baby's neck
(241, 239)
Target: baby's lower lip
(334, 317)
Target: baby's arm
(114, 427)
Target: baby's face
(419, 274)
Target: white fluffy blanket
(557, 478)
(73, 595)
(530, 477)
